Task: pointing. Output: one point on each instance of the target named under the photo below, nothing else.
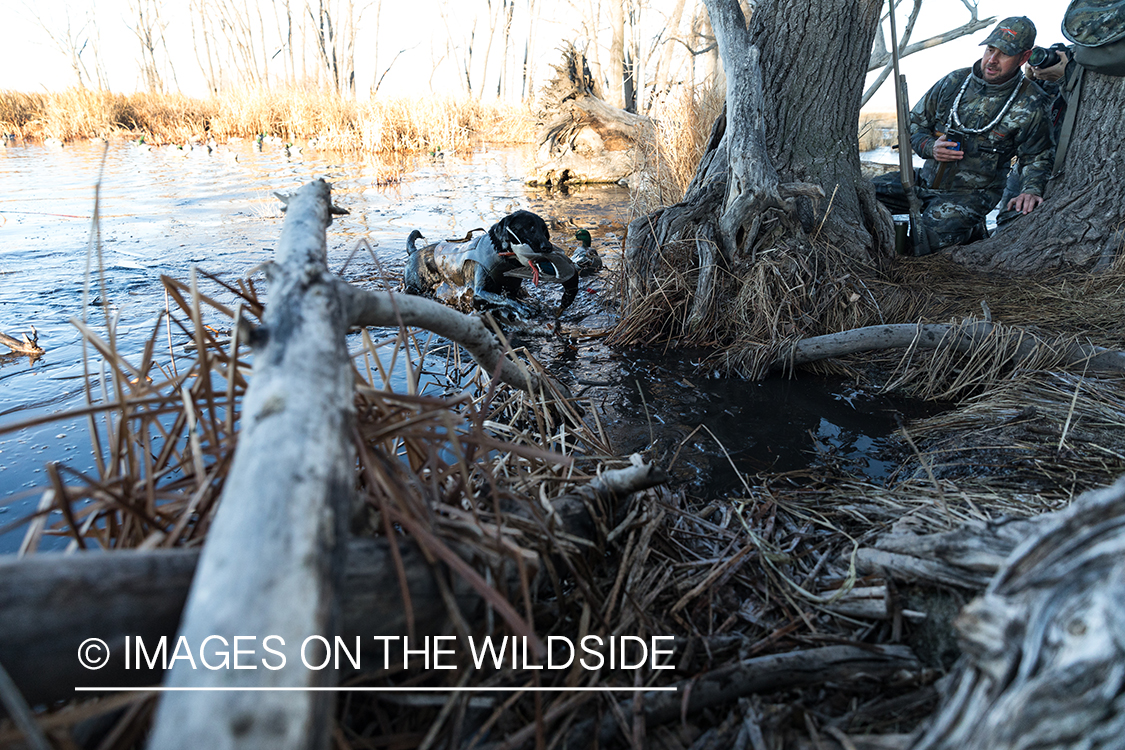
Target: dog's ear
(498, 232)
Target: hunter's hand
(1025, 203)
(947, 150)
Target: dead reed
(299, 115)
(877, 130)
(673, 147)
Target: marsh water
(163, 211)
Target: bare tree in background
(526, 93)
(335, 26)
(149, 30)
(283, 20)
(615, 70)
(77, 40)
(664, 51)
(881, 54)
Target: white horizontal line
(378, 689)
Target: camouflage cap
(1012, 36)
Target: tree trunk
(1079, 223)
(615, 70)
(583, 139)
(788, 136)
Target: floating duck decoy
(584, 257)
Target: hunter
(968, 127)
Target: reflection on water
(163, 213)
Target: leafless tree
(881, 54)
(149, 30)
(77, 39)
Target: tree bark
(1078, 226)
(274, 557)
(791, 121)
(1045, 645)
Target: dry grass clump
(760, 306)
(327, 120)
(673, 147)
(1042, 431)
(19, 111)
(877, 130)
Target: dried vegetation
(742, 583)
(295, 116)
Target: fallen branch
(274, 557)
(49, 604)
(386, 309)
(764, 674)
(29, 345)
(967, 557)
(962, 338)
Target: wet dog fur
(480, 263)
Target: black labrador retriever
(493, 264)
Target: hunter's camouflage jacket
(1023, 131)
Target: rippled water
(163, 212)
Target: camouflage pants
(949, 218)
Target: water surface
(163, 212)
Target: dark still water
(163, 212)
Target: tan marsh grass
(326, 120)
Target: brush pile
(504, 513)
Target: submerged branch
(29, 345)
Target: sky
(29, 62)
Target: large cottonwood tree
(781, 173)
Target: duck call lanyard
(956, 119)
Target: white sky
(28, 61)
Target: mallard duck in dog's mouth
(493, 264)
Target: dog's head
(520, 228)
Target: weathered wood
(1044, 662)
(273, 561)
(967, 557)
(49, 604)
(366, 308)
(763, 674)
(583, 138)
(962, 338)
(28, 345)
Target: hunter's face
(996, 67)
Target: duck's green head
(584, 237)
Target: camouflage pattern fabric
(1093, 23)
(1023, 132)
(949, 218)
(953, 211)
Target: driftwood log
(49, 604)
(962, 338)
(817, 666)
(273, 563)
(25, 345)
(1044, 646)
(967, 557)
